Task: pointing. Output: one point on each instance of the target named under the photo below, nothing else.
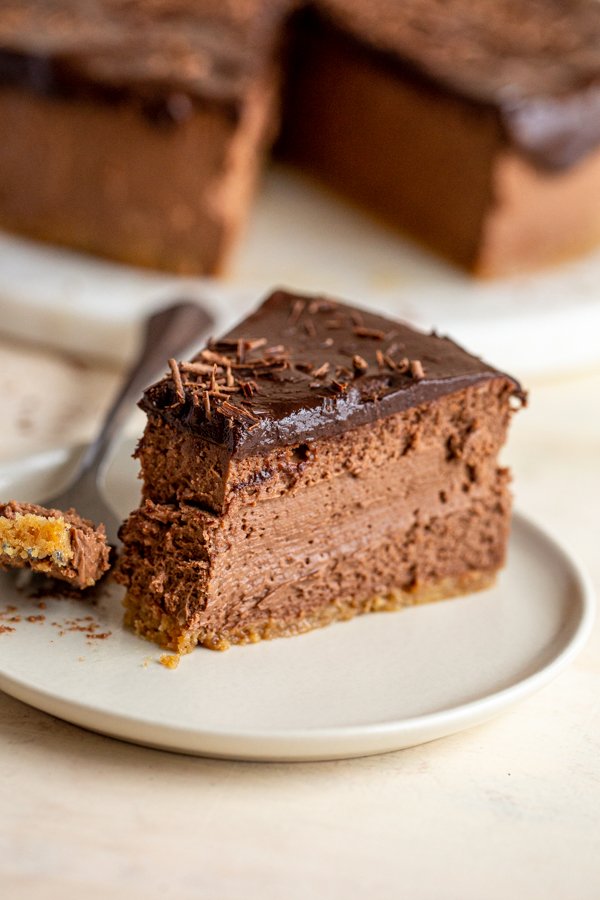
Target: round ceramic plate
(381, 682)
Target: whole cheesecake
(317, 462)
(136, 129)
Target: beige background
(507, 810)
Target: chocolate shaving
(229, 379)
(339, 386)
(176, 375)
(328, 342)
(255, 344)
(357, 319)
(255, 364)
(306, 367)
(380, 359)
(196, 368)
(416, 369)
(373, 333)
(317, 306)
(223, 390)
(210, 356)
(247, 388)
(393, 348)
(230, 410)
(206, 401)
(321, 371)
(360, 365)
(309, 327)
(297, 310)
(334, 324)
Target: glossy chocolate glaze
(310, 367)
(157, 52)
(536, 62)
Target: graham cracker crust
(150, 621)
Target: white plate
(309, 239)
(381, 682)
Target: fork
(167, 333)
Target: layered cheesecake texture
(137, 129)
(318, 462)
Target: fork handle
(168, 333)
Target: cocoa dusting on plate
(9, 614)
(86, 625)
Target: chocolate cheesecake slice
(317, 462)
(60, 544)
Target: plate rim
(343, 741)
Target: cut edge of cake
(398, 464)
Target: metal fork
(167, 334)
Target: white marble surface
(507, 810)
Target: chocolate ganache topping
(302, 368)
(163, 54)
(536, 63)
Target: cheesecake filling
(364, 537)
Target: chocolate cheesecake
(59, 544)
(473, 127)
(317, 462)
(136, 129)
